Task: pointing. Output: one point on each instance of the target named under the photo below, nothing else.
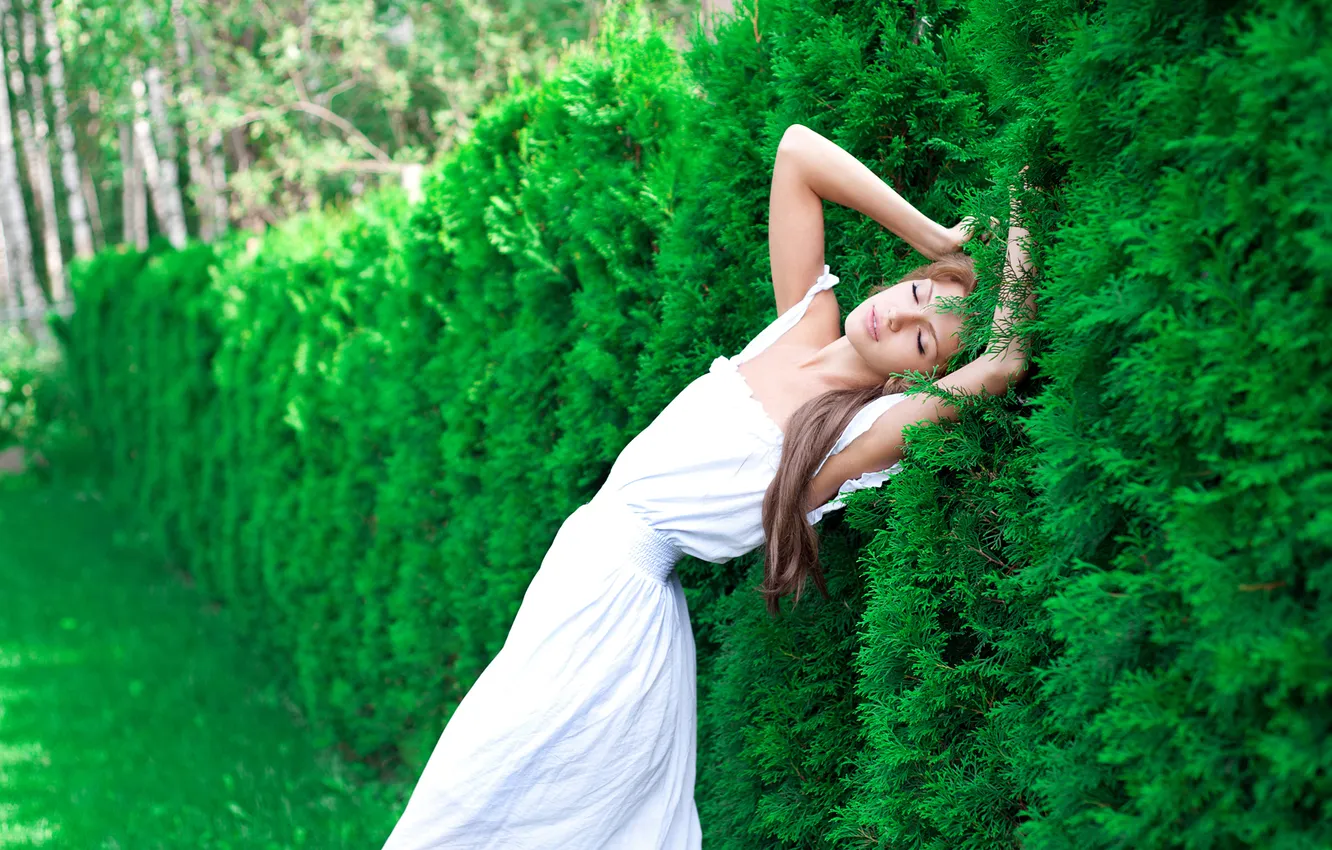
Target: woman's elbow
(1010, 366)
(794, 140)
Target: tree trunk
(712, 9)
(217, 159)
(69, 160)
(94, 210)
(13, 215)
(168, 175)
(9, 297)
(217, 167)
(36, 144)
(134, 203)
(249, 219)
(200, 176)
(19, 91)
(165, 193)
(93, 130)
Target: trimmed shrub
(1184, 438)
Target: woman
(581, 732)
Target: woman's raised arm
(810, 170)
(1003, 362)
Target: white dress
(581, 732)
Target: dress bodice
(699, 471)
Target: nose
(901, 318)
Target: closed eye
(920, 343)
(914, 296)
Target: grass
(131, 716)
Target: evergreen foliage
(1184, 447)
(1087, 614)
(34, 399)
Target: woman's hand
(953, 238)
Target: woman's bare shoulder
(819, 327)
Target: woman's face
(903, 328)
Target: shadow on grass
(131, 717)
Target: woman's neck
(840, 367)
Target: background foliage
(312, 100)
(38, 411)
(1090, 614)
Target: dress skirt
(581, 733)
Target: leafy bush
(37, 413)
(23, 372)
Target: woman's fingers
(959, 234)
(988, 233)
(971, 226)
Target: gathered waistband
(625, 536)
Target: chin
(860, 343)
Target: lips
(871, 323)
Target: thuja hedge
(1090, 614)
(1183, 440)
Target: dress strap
(859, 424)
(785, 321)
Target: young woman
(581, 732)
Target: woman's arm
(810, 170)
(1004, 347)
(1003, 362)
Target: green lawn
(131, 717)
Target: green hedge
(1184, 439)
(1090, 614)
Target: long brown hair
(791, 553)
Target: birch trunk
(172, 209)
(128, 177)
(13, 215)
(21, 114)
(165, 195)
(94, 210)
(200, 176)
(134, 202)
(8, 294)
(36, 142)
(69, 160)
(93, 130)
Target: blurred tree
(284, 106)
(246, 112)
(134, 203)
(13, 213)
(33, 133)
(69, 162)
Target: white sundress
(581, 733)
